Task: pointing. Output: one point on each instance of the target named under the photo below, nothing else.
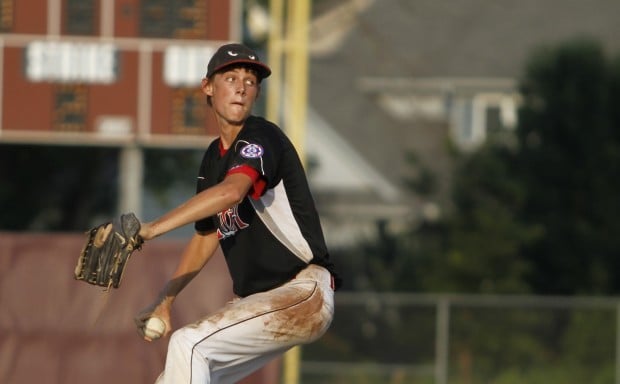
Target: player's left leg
(248, 333)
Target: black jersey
(266, 239)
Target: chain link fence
(467, 339)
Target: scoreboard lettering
(71, 62)
(186, 65)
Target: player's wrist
(147, 231)
(164, 307)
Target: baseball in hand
(154, 328)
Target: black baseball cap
(230, 54)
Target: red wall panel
(25, 105)
(120, 97)
(30, 16)
(126, 18)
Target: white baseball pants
(249, 332)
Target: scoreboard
(109, 72)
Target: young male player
(253, 201)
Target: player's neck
(228, 134)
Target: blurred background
(464, 157)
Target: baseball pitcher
(252, 200)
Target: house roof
(459, 38)
(356, 40)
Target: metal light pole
(292, 48)
(275, 50)
(289, 47)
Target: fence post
(131, 170)
(617, 381)
(442, 340)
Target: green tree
(50, 188)
(70, 188)
(569, 161)
(476, 248)
(540, 215)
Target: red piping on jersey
(258, 183)
(222, 149)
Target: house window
(188, 111)
(178, 19)
(493, 119)
(494, 111)
(483, 114)
(185, 66)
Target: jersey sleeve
(261, 154)
(258, 183)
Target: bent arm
(204, 204)
(195, 256)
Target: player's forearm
(207, 203)
(194, 258)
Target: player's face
(233, 94)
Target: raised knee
(188, 337)
(180, 340)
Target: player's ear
(207, 86)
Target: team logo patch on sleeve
(252, 151)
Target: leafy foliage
(166, 169)
(55, 188)
(58, 188)
(480, 242)
(539, 216)
(569, 161)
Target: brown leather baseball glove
(107, 250)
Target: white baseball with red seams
(154, 328)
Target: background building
(391, 79)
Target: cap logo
(231, 53)
(252, 57)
